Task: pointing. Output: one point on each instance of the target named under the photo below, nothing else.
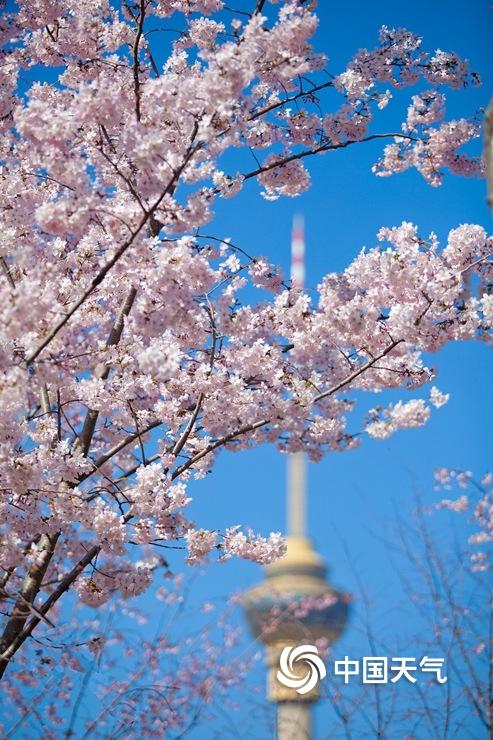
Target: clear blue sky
(354, 496)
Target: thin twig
(98, 279)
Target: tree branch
(98, 279)
(84, 440)
(327, 147)
(102, 459)
(29, 591)
(300, 94)
(357, 372)
(138, 36)
(488, 152)
(6, 271)
(19, 637)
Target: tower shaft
(296, 504)
(294, 721)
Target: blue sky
(354, 496)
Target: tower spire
(296, 499)
(298, 252)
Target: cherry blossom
(151, 680)
(129, 357)
(479, 502)
(252, 547)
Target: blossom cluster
(478, 502)
(136, 667)
(127, 356)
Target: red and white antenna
(298, 252)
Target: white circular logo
(315, 668)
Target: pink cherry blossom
(129, 357)
(437, 398)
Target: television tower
(295, 605)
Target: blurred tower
(295, 605)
